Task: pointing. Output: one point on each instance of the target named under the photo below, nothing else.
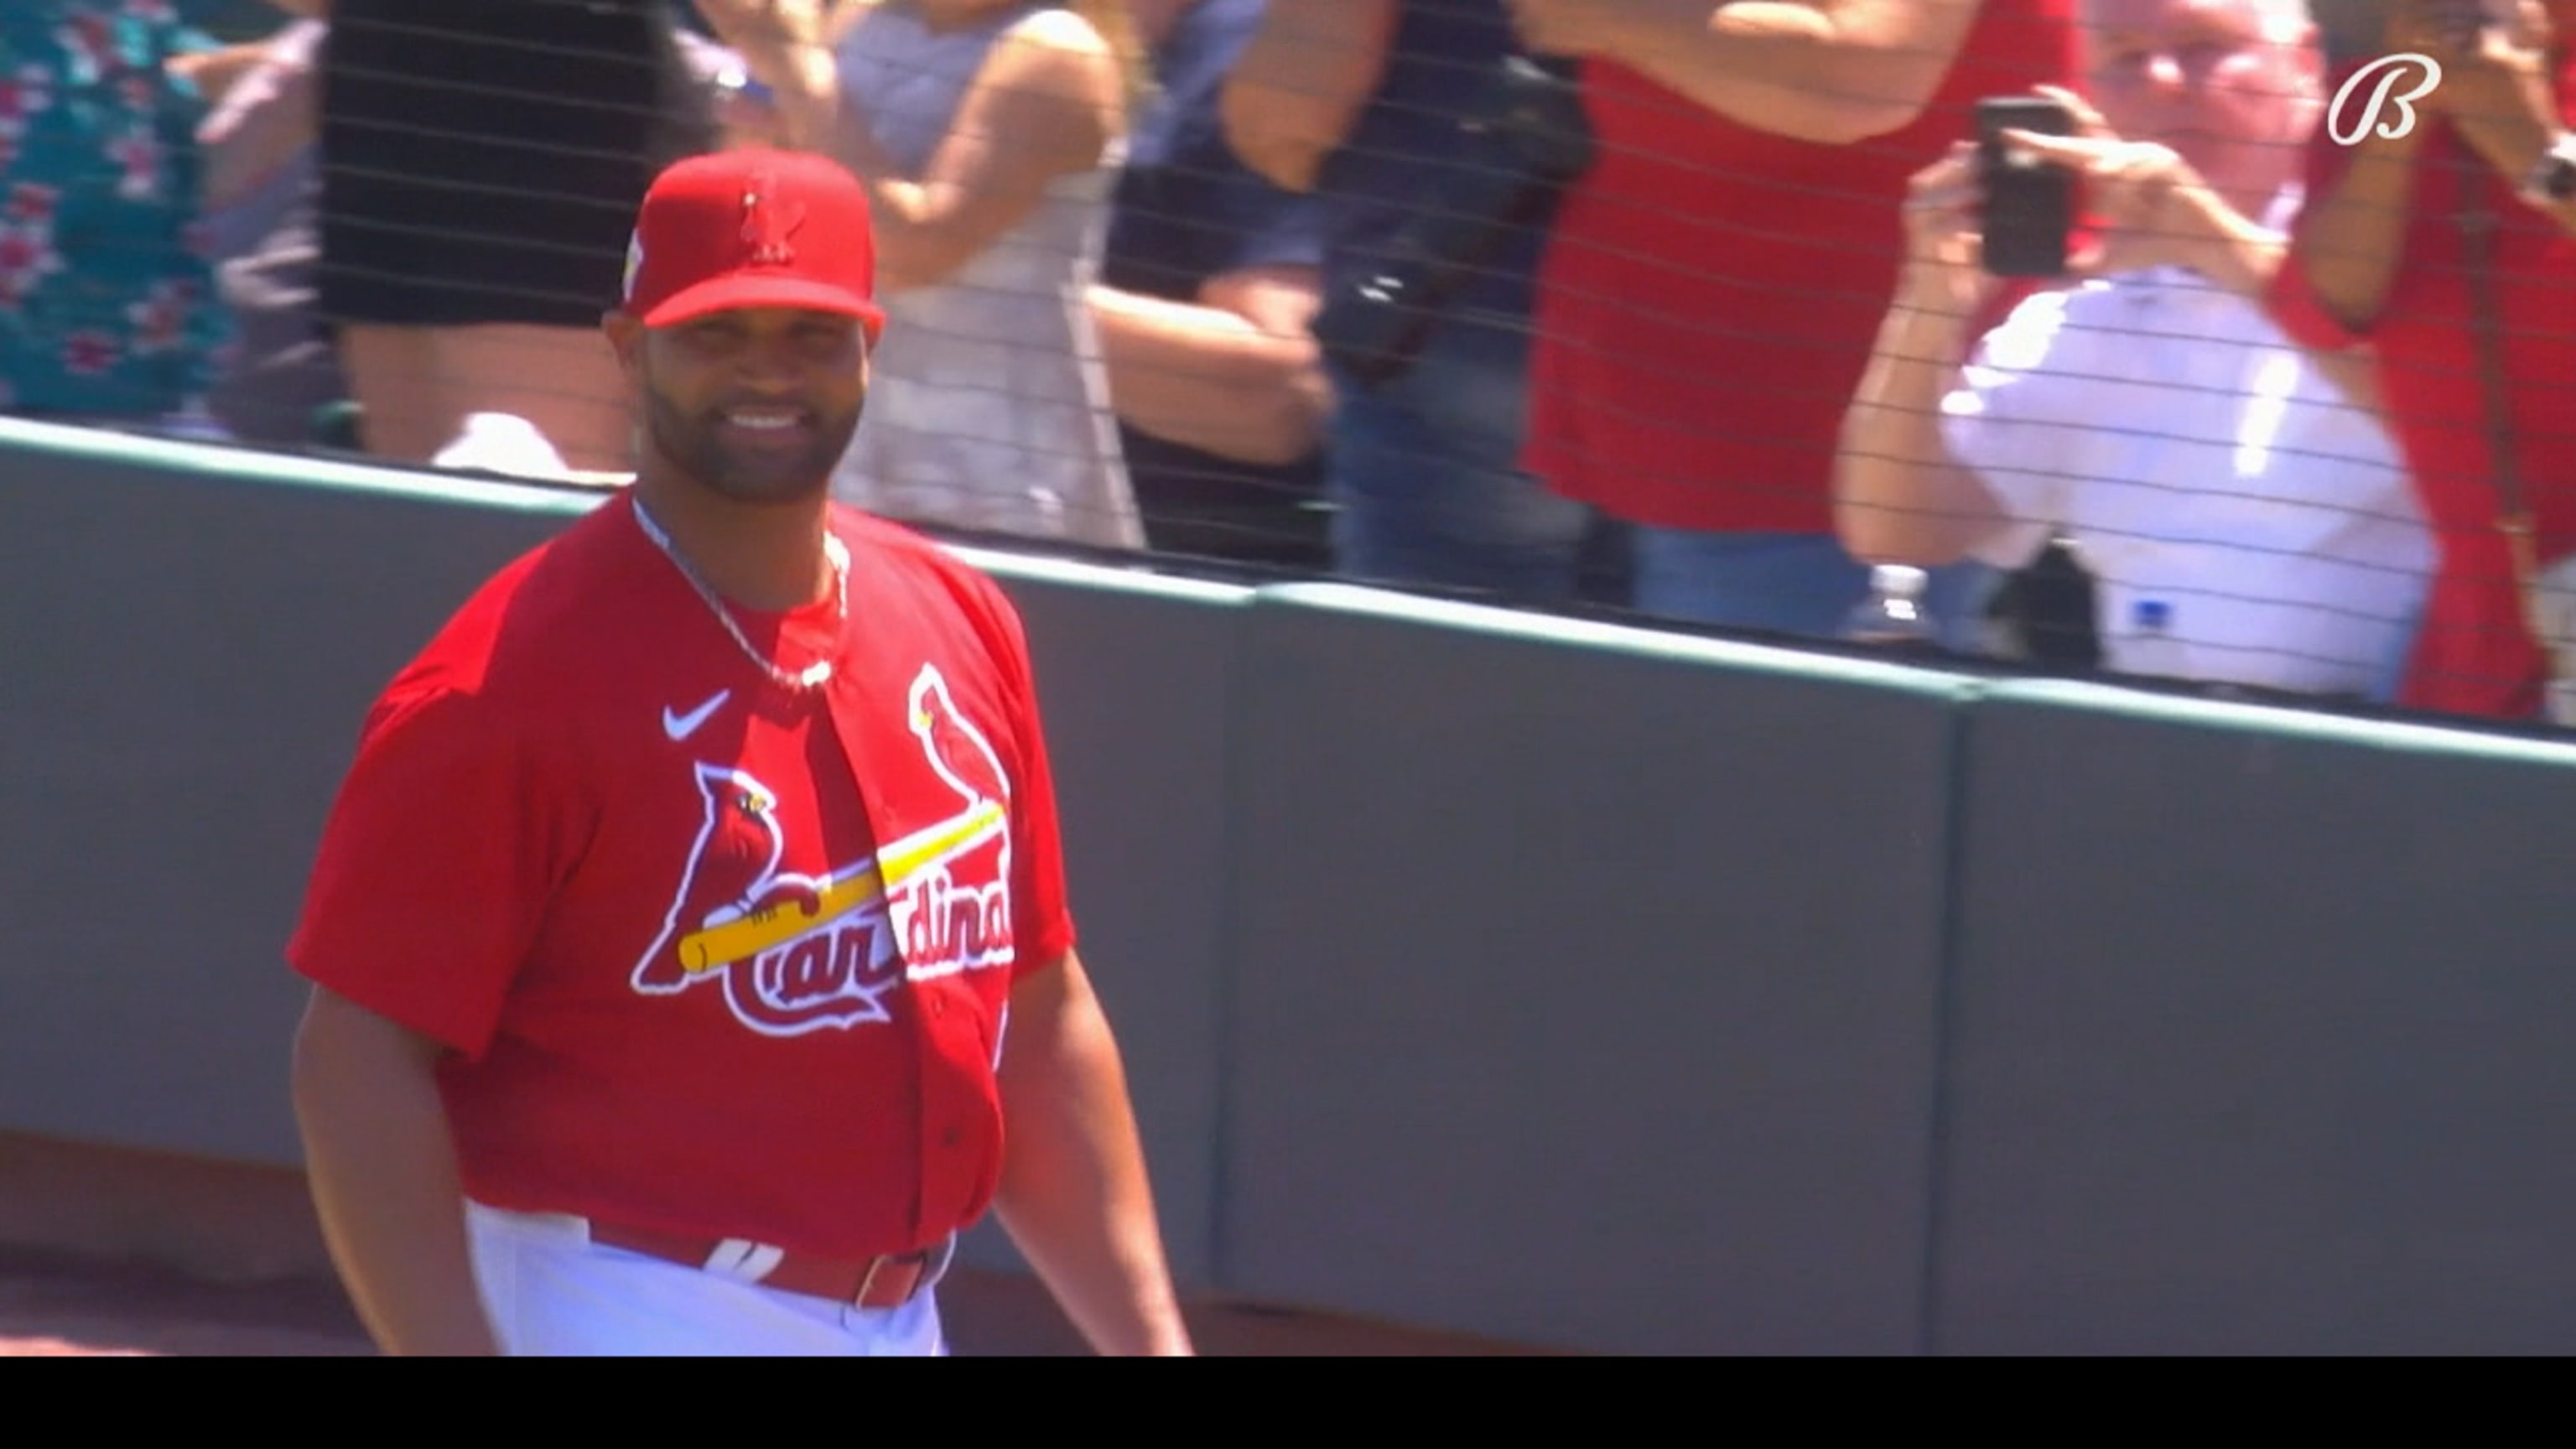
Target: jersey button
(939, 1006)
(951, 1137)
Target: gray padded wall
(2264, 1036)
(1590, 987)
(1634, 1055)
(186, 654)
(1134, 682)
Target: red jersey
(1711, 292)
(716, 958)
(2475, 655)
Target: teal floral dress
(107, 309)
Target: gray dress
(989, 404)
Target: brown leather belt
(874, 1283)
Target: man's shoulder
(529, 622)
(892, 544)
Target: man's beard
(695, 446)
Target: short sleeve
(1043, 929)
(1270, 227)
(1202, 214)
(2291, 299)
(2016, 419)
(434, 870)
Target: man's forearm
(1833, 72)
(2352, 240)
(2243, 257)
(1074, 1194)
(1898, 496)
(214, 72)
(804, 81)
(2238, 254)
(1209, 379)
(383, 1176)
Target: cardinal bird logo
(770, 223)
(798, 953)
(957, 750)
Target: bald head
(2285, 22)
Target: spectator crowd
(1682, 309)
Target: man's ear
(626, 334)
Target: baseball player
(689, 941)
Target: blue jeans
(1424, 470)
(1787, 583)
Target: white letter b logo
(2390, 69)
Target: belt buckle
(867, 1281)
(934, 1266)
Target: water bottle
(2153, 647)
(1892, 616)
(196, 423)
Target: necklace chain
(813, 675)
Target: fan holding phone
(2244, 513)
(2041, 162)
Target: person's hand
(786, 45)
(768, 26)
(2425, 27)
(1944, 254)
(2154, 208)
(2494, 55)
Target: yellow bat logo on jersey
(774, 925)
(805, 952)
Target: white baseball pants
(551, 1292)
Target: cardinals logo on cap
(770, 223)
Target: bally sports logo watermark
(2390, 72)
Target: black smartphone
(2029, 206)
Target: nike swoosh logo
(680, 726)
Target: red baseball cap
(753, 228)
